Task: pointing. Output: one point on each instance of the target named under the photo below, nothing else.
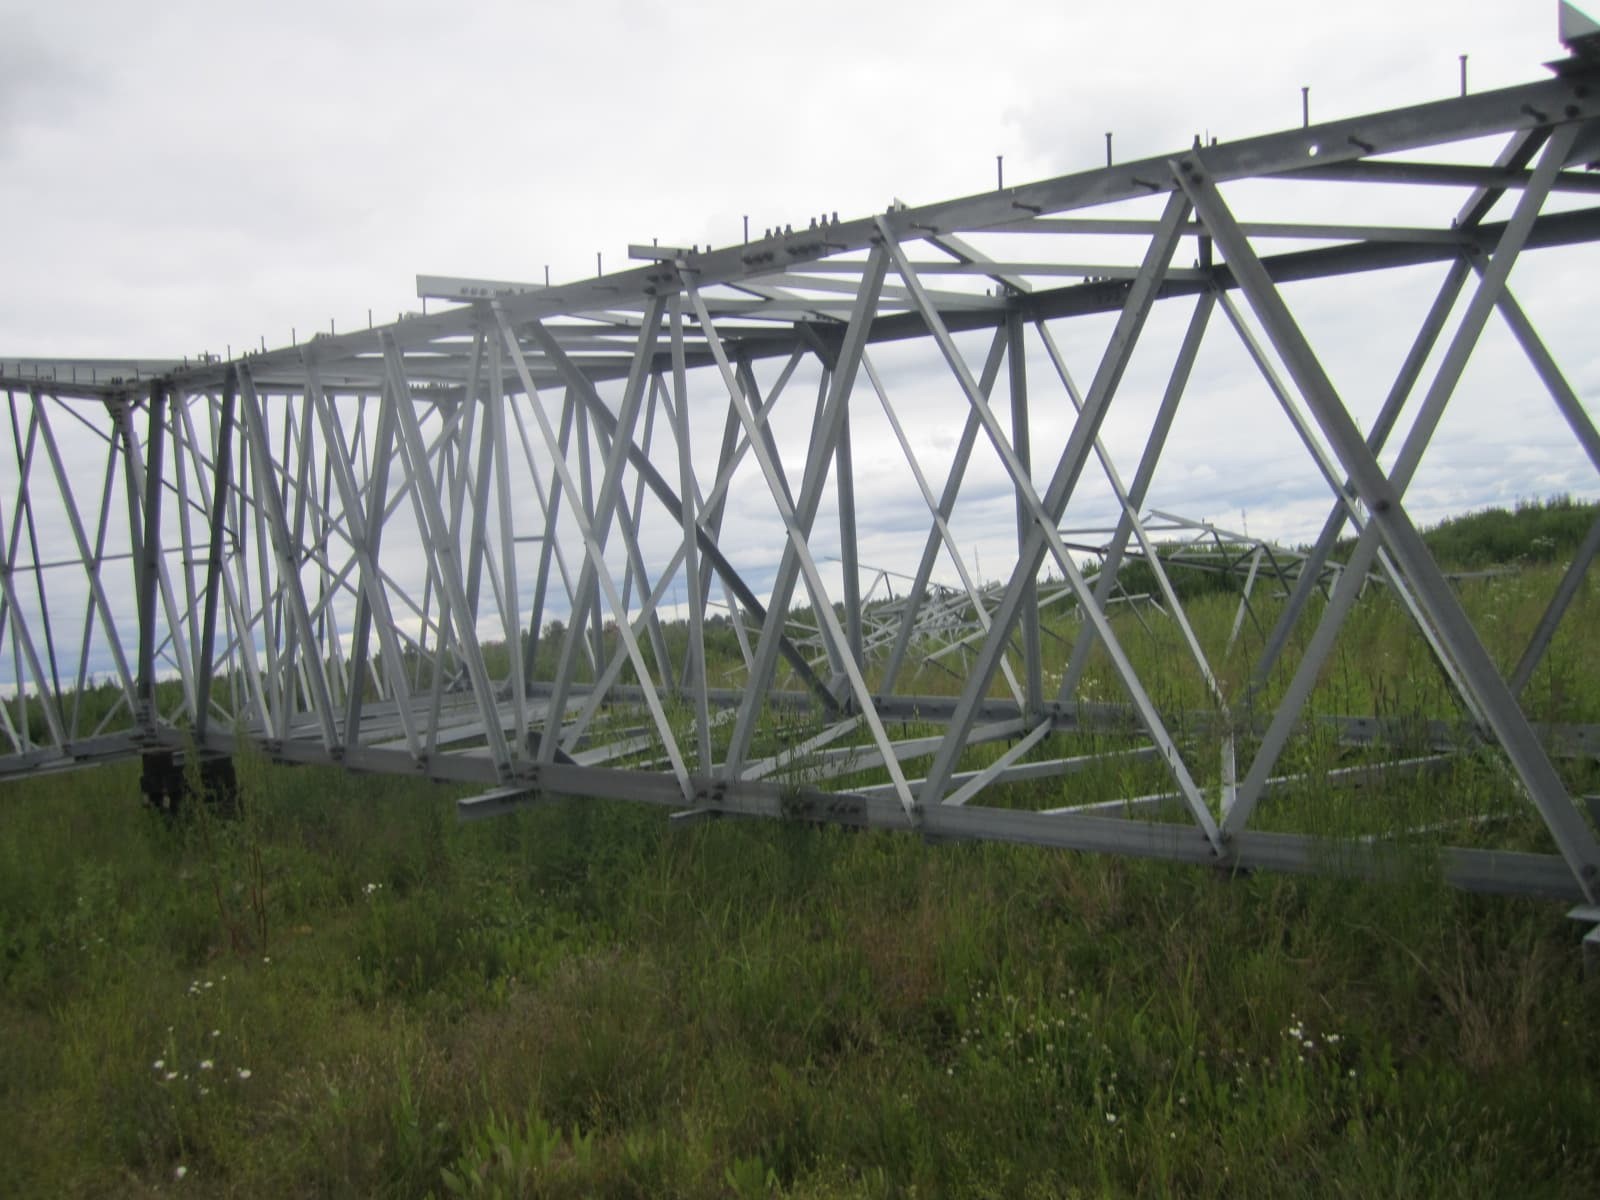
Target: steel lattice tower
(442, 547)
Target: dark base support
(165, 782)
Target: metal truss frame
(359, 550)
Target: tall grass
(580, 1001)
(343, 992)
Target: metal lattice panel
(445, 546)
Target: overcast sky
(185, 177)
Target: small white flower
(216, 1033)
(205, 1091)
(1111, 1118)
(179, 1171)
(170, 1076)
(266, 958)
(244, 1072)
(158, 1064)
(205, 1064)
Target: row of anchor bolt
(817, 222)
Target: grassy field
(577, 1001)
(343, 992)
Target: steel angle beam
(1380, 498)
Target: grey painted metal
(1331, 474)
(97, 592)
(1044, 522)
(599, 572)
(798, 514)
(384, 486)
(549, 513)
(285, 550)
(444, 560)
(797, 520)
(23, 647)
(365, 534)
(1381, 499)
(1410, 371)
(907, 626)
(1148, 460)
(597, 513)
(149, 553)
(1130, 515)
(1017, 362)
(374, 599)
(1572, 410)
(694, 666)
(1566, 591)
(1135, 310)
(940, 531)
